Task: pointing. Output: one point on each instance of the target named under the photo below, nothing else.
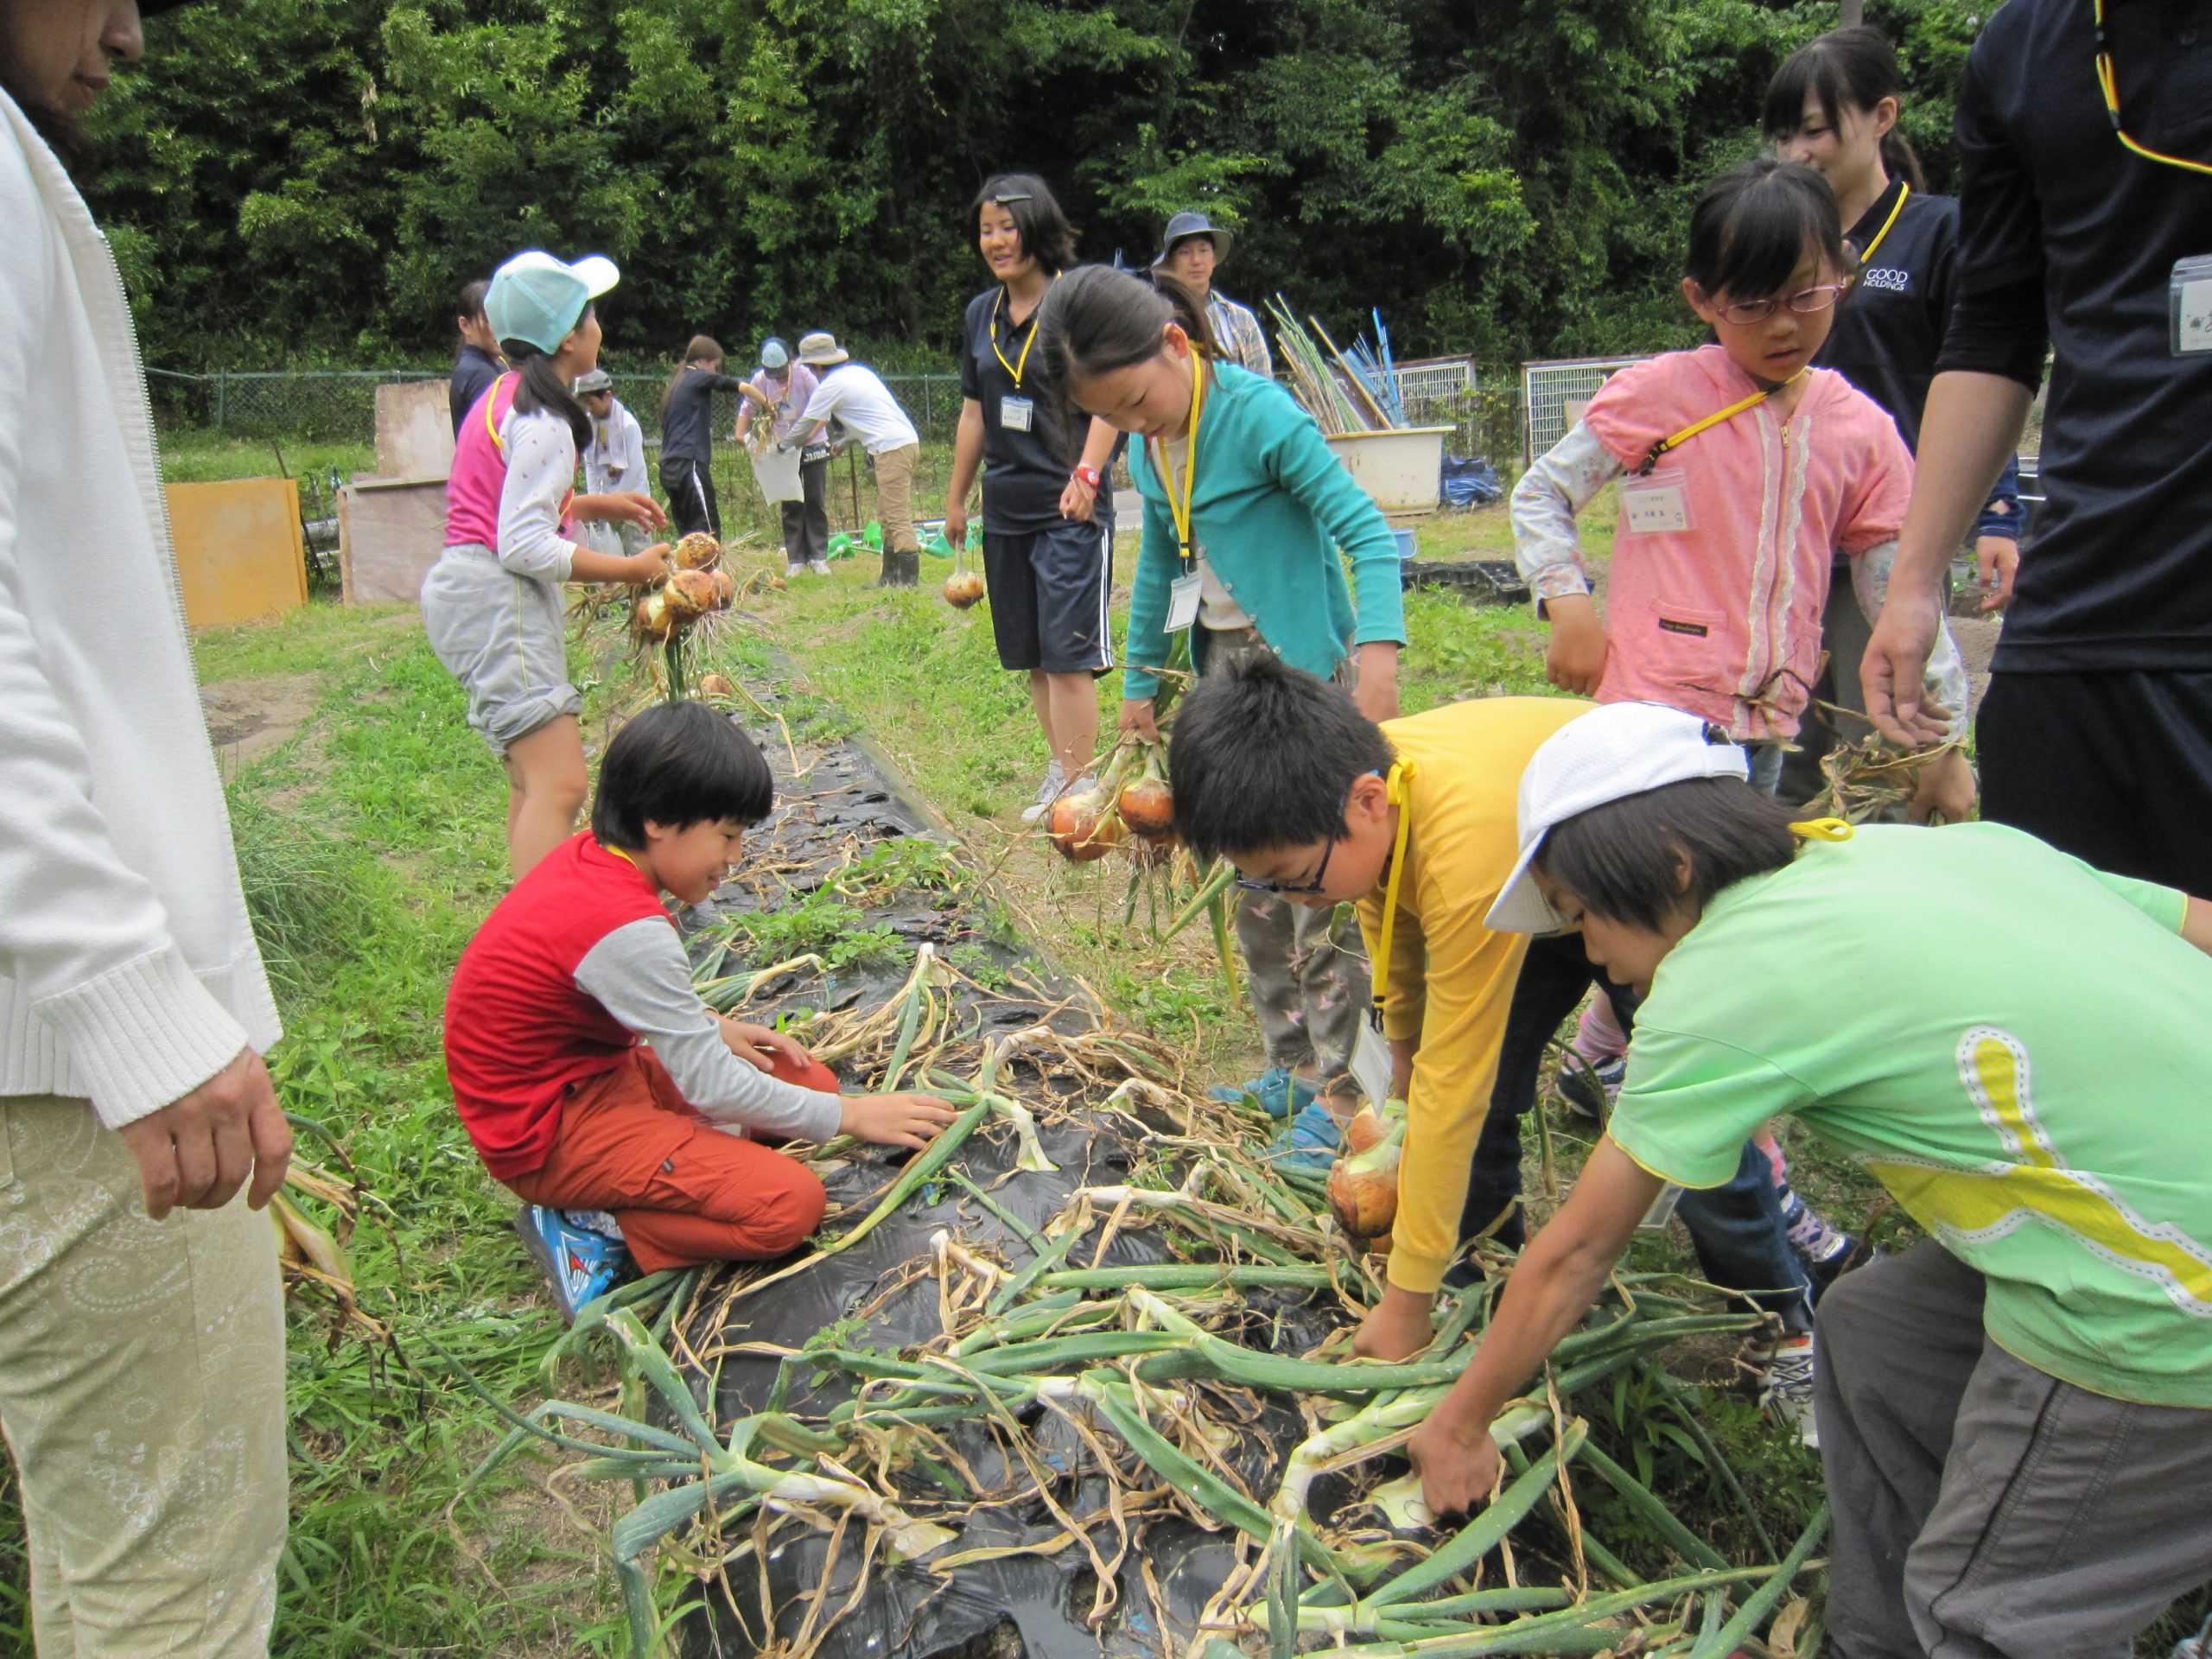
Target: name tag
(1662, 1210)
(1657, 504)
(1015, 414)
(2190, 306)
(1371, 1062)
(1182, 595)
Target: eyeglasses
(1805, 301)
(1321, 871)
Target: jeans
(1736, 1228)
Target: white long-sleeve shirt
(615, 460)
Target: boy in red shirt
(577, 970)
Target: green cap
(539, 299)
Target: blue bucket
(1405, 540)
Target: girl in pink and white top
(1743, 471)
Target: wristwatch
(1090, 476)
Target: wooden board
(239, 556)
(414, 430)
(389, 533)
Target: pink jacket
(479, 468)
(1724, 619)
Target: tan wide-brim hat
(819, 351)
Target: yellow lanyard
(1180, 511)
(1015, 367)
(1398, 788)
(492, 416)
(1821, 829)
(1904, 190)
(1728, 414)
(2108, 83)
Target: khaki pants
(894, 497)
(142, 1391)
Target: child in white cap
(2016, 1415)
(492, 604)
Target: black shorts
(690, 491)
(1048, 597)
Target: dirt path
(250, 718)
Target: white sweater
(127, 968)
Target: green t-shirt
(2016, 1044)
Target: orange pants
(684, 1192)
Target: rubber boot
(901, 569)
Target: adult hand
(1997, 561)
(955, 525)
(648, 565)
(1459, 1466)
(1576, 659)
(895, 1120)
(1078, 500)
(1893, 671)
(759, 1045)
(1137, 719)
(1944, 790)
(1374, 694)
(1396, 1328)
(198, 1150)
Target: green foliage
(314, 178)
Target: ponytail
(1099, 319)
(543, 386)
(703, 350)
(1846, 67)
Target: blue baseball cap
(538, 300)
(775, 356)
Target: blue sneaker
(583, 1265)
(1313, 1140)
(1279, 1091)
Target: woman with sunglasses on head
(1834, 106)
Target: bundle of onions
(1088, 825)
(698, 551)
(1364, 1183)
(664, 612)
(962, 588)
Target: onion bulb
(1082, 827)
(962, 588)
(692, 593)
(716, 687)
(698, 551)
(652, 618)
(725, 589)
(1145, 803)
(1364, 1183)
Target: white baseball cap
(538, 299)
(1608, 755)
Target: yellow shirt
(1450, 979)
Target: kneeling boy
(578, 968)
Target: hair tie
(1821, 830)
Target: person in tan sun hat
(853, 396)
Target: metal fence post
(222, 398)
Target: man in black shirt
(479, 364)
(2096, 734)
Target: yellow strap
(490, 412)
(1712, 421)
(2108, 83)
(1397, 788)
(1016, 367)
(1904, 191)
(1180, 511)
(1821, 830)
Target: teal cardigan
(1271, 506)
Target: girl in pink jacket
(1742, 471)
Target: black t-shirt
(472, 370)
(687, 421)
(2066, 237)
(1890, 326)
(1024, 472)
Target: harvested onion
(1364, 1183)
(653, 620)
(698, 551)
(962, 588)
(1146, 806)
(716, 686)
(692, 593)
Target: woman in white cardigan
(142, 1384)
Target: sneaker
(1589, 1088)
(1823, 1250)
(581, 1264)
(1786, 1391)
(1048, 792)
(594, 1221)
(1278, 1091)
(1312, 1141)
(819, 567)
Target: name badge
(1182, 595)
(1371, 1062)
(1657, 503)
(2190, 306)
(1015, 414)
(1662, 1210)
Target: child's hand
(1576, 661)
(1396, 1328)
(648, 566)
(1137, 719)
(749, 1043)
(1944, 790)
(895, 1120)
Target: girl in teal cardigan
(1244, 543)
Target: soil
(249, 719)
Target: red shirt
(518, 1029)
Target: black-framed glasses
(1804, 301)
(1321, 871)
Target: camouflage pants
(1308, 970)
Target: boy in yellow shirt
(1414, 821)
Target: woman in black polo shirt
(1048, 538)
(687, 436)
